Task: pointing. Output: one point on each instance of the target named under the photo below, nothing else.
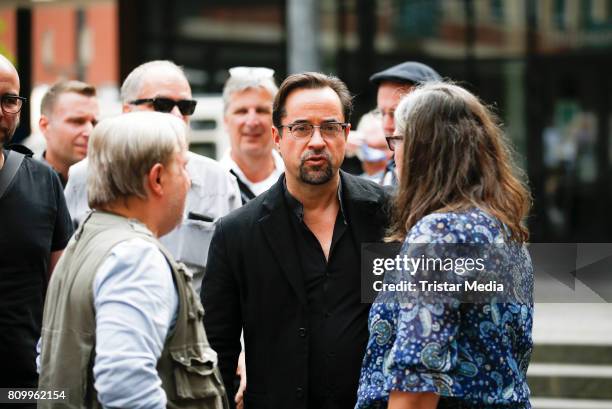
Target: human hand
(241, 371)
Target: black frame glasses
(166, 105)
(11, 104)
(304, 130)
(393, 141)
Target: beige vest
(187, 366)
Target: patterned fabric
(474, 355)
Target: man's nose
(177, 113)
(87, 128)
(251, 117)
(388, 124)
(316, 139)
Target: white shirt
(256, 187)
(214, 193)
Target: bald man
(34, 229)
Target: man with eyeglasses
(393, 83)
(247, 113)
(286, 266)
(34, 229)
(69, 111)
(162, 86)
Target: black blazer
(253, 280)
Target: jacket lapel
(366, 209)
(277, 231)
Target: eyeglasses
(251, 72)
(186, 106)
(11, 104)
(304, 131)
(394, 141)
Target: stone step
(571, 364)
(572, 324)
(572, 354)
(571, 386)
(571, 371)
(551, 403)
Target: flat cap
(409, 72)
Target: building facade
(542, 64)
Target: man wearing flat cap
(393, 83)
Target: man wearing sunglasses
(162, 86)
(285, 267)
(34, 229)
(393, 83)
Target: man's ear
(154, 179)
(276, 137)
(347, 130)
(43, 124)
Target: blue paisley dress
(474, 355)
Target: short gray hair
(123, 149)
(132, 83)
(243, 82)
(369, 120)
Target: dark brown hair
(455, 157)
(310, 80)
(49, 99)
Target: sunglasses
(251, 72)
(186, 106)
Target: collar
(228, 163)
(43, 158)
(194, 173)
(297, 208)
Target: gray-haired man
(162, 86)
(247, 100)
(122, 326)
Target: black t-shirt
(34, 221)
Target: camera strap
(12, 162)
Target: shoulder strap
(245, 193)
(9, 170)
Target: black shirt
(34, 221)
(337, 318)
(43, 159)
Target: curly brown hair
(455, 156)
